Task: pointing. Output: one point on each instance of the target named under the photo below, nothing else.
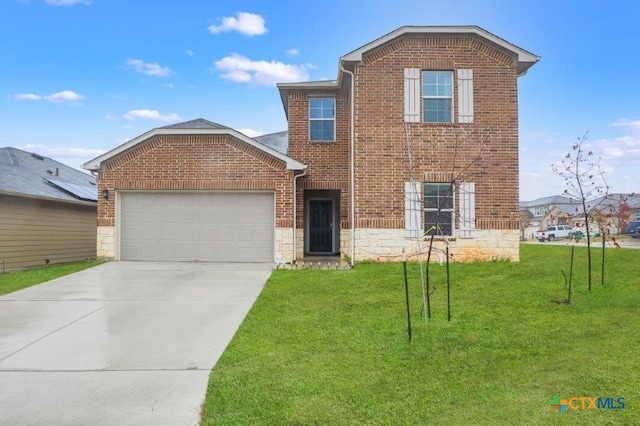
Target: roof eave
(96, 163)
(44, 197)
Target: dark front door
(321, 224)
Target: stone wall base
(391, 245)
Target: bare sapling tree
(463, 158)
(456, 173)
(584, 181)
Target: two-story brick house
(418, 135)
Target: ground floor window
(438, 209)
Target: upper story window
(429, 96)
(322, 119)
(437, 96)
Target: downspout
(295, 208)
(352, 167)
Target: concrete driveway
(121, 343)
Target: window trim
(322, 119)
(451, 210)
(436, 97)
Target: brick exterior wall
(328, 161)
(490, 142)
(196, 163)
(381, 149)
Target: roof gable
(199, 126)
(523, 59)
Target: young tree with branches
(584, 181)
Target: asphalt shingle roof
(278, 141)
(198, 123)
(31, 174)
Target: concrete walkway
(126, 343)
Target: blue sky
(80, 77)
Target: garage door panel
(213, 226)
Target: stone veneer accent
(106, 248)
(390, 245)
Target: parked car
(633, 229)
(553, 233)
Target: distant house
(541, 212)
(47, 211)
(558, 210)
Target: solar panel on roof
(89, 193)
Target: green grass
(14, 281)
(330, 347)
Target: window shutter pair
(466, 210)
(413, 95)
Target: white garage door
(197, 226)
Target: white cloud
(251, 133)
(190, 52)
(633, 125)
(153, 69)
(26, 97)
(147, 114)
(66, 151)
(292, 52)
(71, 156)
(249, 24)
(56, 98)
(64, 96)
(67, 2)
(238, 68)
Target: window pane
(445, 83)
(315, 112)
(438, 223)
(321, 130)
(315, 103)
(327, 130)
(437, 110)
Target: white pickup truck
(553, 233)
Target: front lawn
(330, 347)
(14, 281)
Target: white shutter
(411, 210)
(465, 96)
(467, 210)
(412, 98)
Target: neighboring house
(47, 211)
(606, 212)
(541, 212)
(419, 118)
(613, 211)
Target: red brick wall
(381, 149)
(328, 161)
(196, 163)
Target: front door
(321, 226)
